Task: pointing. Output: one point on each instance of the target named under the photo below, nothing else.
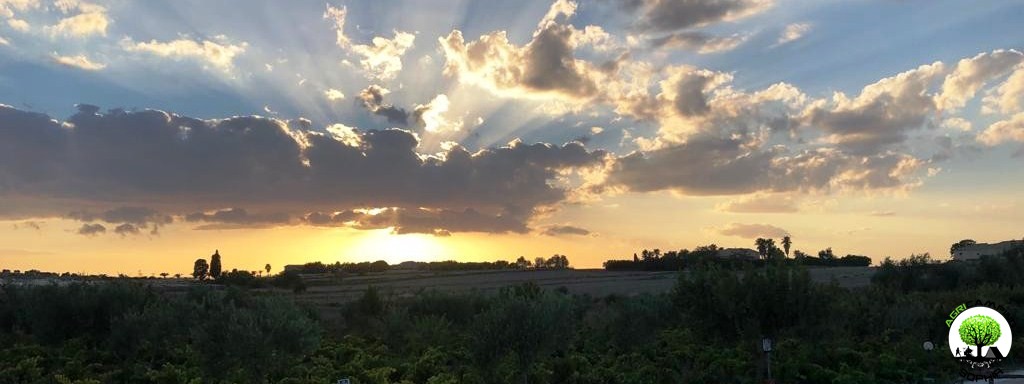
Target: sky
(136, 137)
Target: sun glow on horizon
(384, 244)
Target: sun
(385, 245)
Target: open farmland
(329, 290)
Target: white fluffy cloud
(1008, 130)
(1009, 96)
(219, 55)
(382, 58)
(793, 32)
(334, 94)
(971, 74)
(88, 20)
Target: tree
(267, 267)
(522, 263)
(786, 243)
(215, 264)
(980, 331)
(164, 274)
(762, 246)
(200, 269)
(538, 263)
(826, 254)
(960, 244)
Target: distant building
(738, 253)
(976, 251)
(293, 268)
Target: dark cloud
(673, 15)
(178, 165)
(373, 100)
(440, 222)
(126, 229)
(883, 114)
(91, 229)
(559, 230)
(30, 224)
(753, 230)
(237, 218)
(708, 165)
(129, 220)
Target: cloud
(882, 115)
(382, 58)
(753, 230)
(428, 117)
(1007, 97)
(672, 15)
(793, 32)
(707, 165)
(699, 41)
(971, 74)
(760, 203)
(237, 218)
(30, 224)
(431, 116)
(91, 229)
(561, 230)
(178, 165)
(882, 213)
(219, 55)
(128, 220)
(1011, 129)
(4, 42)
(91, 20)
(333, 94)
(373, 100)
(78, 61)
(19, 25)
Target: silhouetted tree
(826, 254)
(538, 263)
(762, 246)
(786, 243)
(200, 269)
(215, 264)
(522, 263)
(267, 267)
(164, 274)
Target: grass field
(329, 291)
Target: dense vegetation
(704, 256)
(708, 329)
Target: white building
(976, 251)
(738, 253)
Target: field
(328, 291)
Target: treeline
(922, 273)
(707, 329)
(554, 262)
(712, 255)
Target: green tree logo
(980, 330)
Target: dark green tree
(200, 269)
(980, 331)
(215, 266)
(762, 246)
